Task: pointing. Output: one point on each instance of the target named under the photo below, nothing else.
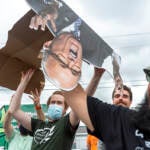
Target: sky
(123, 24)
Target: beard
(122, 104)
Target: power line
(107, 82)
(99, 87)
(136, 85)
(103, 87)
(128, 35)
(132, 46)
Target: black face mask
(24, 131)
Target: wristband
(37, 107)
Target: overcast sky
(123, 24)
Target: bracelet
(37, 107)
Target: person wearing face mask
(55, 106)
(58, 131)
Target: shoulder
(94, 101)
(65, 118)
(96, 104)
(36, 121)
(71, 124)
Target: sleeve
(105, 118)
(35, 123)
(72, 129)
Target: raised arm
(77, 100)
(36, 99)
(92, 86)
(14, 107)
(90, 90)
(8, 128)
(74, 120)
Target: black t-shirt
(58, 135)
(114, 127)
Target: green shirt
(58, 135)
(19, 142)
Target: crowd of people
(116, 125)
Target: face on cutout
(63, 61)
(122, 99)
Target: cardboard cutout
(21, 53)
(59, 17)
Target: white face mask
(55, 111)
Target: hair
(126, 88)
(60, 93)
(141, 118)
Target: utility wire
(99, 87)
(127, 35)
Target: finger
(37, 22)
(43, 27)
(22, 75)
(36, 91)
(31, 25)
(32, 93)
(46, 44)
(31, 97)
(30, 73)
(43, 24)
(53, 25)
